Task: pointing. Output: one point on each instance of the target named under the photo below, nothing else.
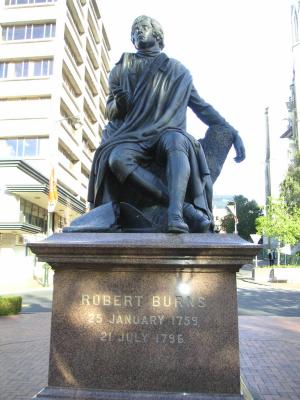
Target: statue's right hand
(122, 99)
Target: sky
(240, 55)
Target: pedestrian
(271, 258)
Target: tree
(281, 222)
(227, 223)
(247, 213)
(290, 187)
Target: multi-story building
(54, 64)
(293, 104)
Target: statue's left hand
(239, 149)
(122, 99)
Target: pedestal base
(53, 393)
(151, 316)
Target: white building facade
(293, 104)
(54, 65)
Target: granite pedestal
(144, 316)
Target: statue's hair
(157, 29)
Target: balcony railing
(74, 48)
(77, 15)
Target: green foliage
(247, 213)
(10, 305)
(227, 223)
(281, 222)
(290, 187)
(279, 266)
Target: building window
(32, 214)
(21, 69)
(22, 2)
(28, 32)
(26, 69)
(24, 147)
(43, 68)
(3, 69)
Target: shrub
(10, 305)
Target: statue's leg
(172, 150)
(196, 220)
(178, 172)
(124, 163)
(174, 147)
(150, 183)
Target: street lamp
(74, 120)
(231, 206)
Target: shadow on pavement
(269, 301)
(35, 302)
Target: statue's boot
(156, 188)
(178, 172)
(198, 221)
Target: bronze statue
(153, 174)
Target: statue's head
(142, 22)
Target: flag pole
(52, 200)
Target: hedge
(10, 305)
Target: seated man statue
(146, 157)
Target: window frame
(9, 31)
(4, 70)
(24, 72)
(27, 68)
(33, 214)
(18, 144)
(15, 3)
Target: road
(259, 299)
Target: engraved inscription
(134, 337)
(129, 313)
(177, 301)
(138, 301)
(107, 300)
(157, 320)
(129, 319)
(169, 338)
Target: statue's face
(143, 35)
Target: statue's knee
(182, 141)
(176, 141)
(115, 162)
